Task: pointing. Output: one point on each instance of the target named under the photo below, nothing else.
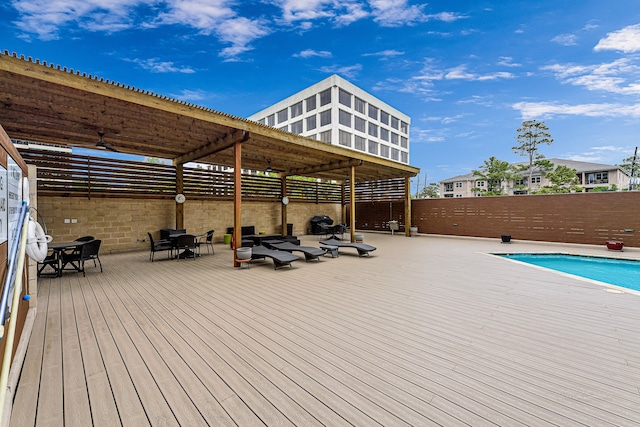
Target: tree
(630, 166)
(563, 179)
(496, 173)
(530, 135)
(431, 191)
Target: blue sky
(467, 72)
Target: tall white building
(338, 112)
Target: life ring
(36, 241)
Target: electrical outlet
(67, 221)
(74, 220)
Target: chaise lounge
(280, 258)
(362, 248)
(310, 253)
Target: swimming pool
(618, 272)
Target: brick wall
(123, 223)
(589, 218)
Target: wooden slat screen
(376, 191)
(73, 175)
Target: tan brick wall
(589, 218)
(123, 223)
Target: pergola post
(179, 190)
(407, 207)
(237, 201)
(283, 193)
(352, 202)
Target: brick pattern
(122, 223)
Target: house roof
(47, 104)
(580, 167)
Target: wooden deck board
(426, 331)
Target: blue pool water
(619, 272)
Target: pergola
(45, 103)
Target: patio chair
(160, 245)
(208, 241)
(89, 251)
(362, 248)
(310, 253)
(50, 260)
(187, 244)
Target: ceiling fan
(104, 145)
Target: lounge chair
(310, 253)
(280, 258)
(363, 249)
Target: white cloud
(348, 71)
(537, 110)
(621, 76)
(566, 39)
(507, 61)
(396, 13)
(460, 73)
(385, 53)
(308, 53)
(190, 95)
(155, 65)
(626, 40)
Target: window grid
(359, 143)
(325, 97)
(283, 115)
(384, 117)
(384, 151)
(296, 109)
(373, 112)
(311, 122)
(384, 134)
(271, 120)
(311, 103)
(359, 105)
(373, 129)
(359, 124)
(344, 138)
(344, 98)
(373, 147)
(344, 118)
(296, 127)
(325, 136)
(325, 118)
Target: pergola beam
(213, 147)
(344, 164)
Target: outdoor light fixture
(268, 169)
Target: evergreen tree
(530, 135)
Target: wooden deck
(427, 331)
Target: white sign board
(4, 223)
(14, 198)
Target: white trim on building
(337, 112)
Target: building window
(458, 195)
(448, 186)
(311, 122)
(373, 129)
(480, 183)
(311, 103)
(448, 195)
(271, 120)
(384, 134)
(261, 121)
(458, 185)
(404, 157)
(359, 124)
(404, 127)
(296, 127)
(404, 142)
(344, 118)
(325, 118)
(325, 97)
(344, 98)
(384, 117)
(296, 109)
(395, 123)
(325, 136)
(519, 182)
(284, 128)
(373, 112)
(395, 154)
(282, 116)
(598, 178)
(384, 151)
(394, 138)
(359, 143)
(345, 138)
(359, 105)
(373, 147)
(535, 180)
